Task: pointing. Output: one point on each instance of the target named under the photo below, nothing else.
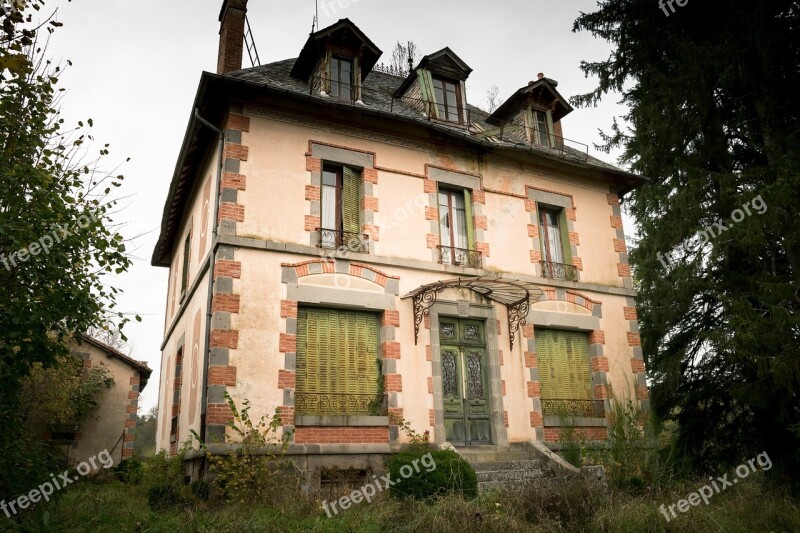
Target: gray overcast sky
(137, 65)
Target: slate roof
(378, 92)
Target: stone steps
(511, 469)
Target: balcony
(559, 271)
(460, 257)
(333, 404)
(334, 239)
(574, 408)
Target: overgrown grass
(109, 505)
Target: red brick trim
(531, 360)
(287, 343)
(600, 364)
(230, 211)
(227, 269)
(236, 151)
(218, 413)
(393, 382)
(238, 122)
(634, 339)
(288, 309)
(341, 435)
(234, 181)
(222, 375)
(223, 338)
(630, 313)
(390, 350)
(228, 303)
(286, 379)
(597, 337)
(553, 434)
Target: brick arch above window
(390, 283)
(577, 298)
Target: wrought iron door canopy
(514, 294)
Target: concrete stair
(511, 469)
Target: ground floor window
(564, 372)
(337, 362)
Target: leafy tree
(62, 393)
(146, 425)
(713, 123)
(57, 241)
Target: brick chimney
(231, 35)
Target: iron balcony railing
(318, 403)
(574, 408)
(333, 239)
(559, 271)
(449, 255)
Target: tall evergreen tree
(714, 123)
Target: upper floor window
(341, 77)
(455, 229)
(341, 213)
(447, 96)
(187, 252)
(552, 245)
(555, 245)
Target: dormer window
(341, 76)
(446, 94)
(541, 128)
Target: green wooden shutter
(428, 94)
(564, 371)
(578, 363)
(187, 250)
(550, 129)
(565, 244)
(351, 210)
(530, 126)
(470, 220)
(337, 352)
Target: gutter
(214, 245)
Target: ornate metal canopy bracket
(517, 317)
(423, 301)
(514, 294)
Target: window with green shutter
(337, 361)
(340, 206)
(564, 371)
(555, 246)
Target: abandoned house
(353, 245)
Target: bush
(130, 471)
(448, 473)
(256, 470)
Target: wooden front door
(465, 382)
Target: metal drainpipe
(214, 244)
